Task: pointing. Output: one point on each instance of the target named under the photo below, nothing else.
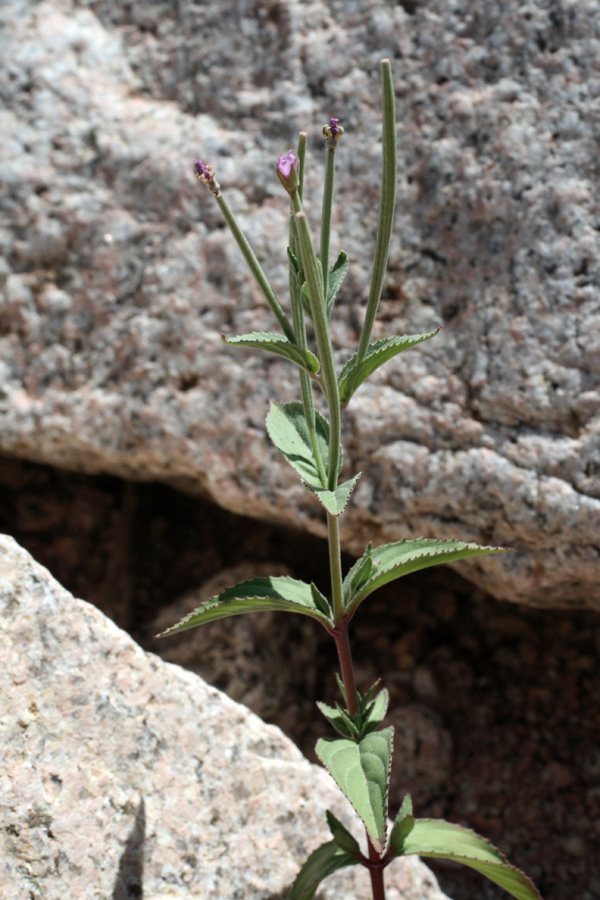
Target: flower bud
(207, 176)
(288, 167)
(332, 133)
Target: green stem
(314, 281)
(326, 216)
(386, 209)
(300, 332)
(255, 268)
(335, 567)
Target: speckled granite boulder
(117, 275)
(123, 776)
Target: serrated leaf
(289, 432)
(339, 719)
(323, 861)
(361, 771)
(277, 344)
(444, 840)
(354, 373)
(337, 273)
(341, 836)
(404, 824)
(392, 561)
(258, 594)
(335, 502)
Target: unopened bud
(332, 133)
(207, 176)
(288, 167)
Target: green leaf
(289, 432)
(361, 770)
(335, 502)
(322, 862)
(278, 344)
(444, 840)
(403, 826)
(341, 836)
(298, 273)
(273, 592)
(358, 575)
(337, 273)
(374, 712)
(354, 373)
(339, 719)
(392, 561)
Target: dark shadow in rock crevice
(129, 884)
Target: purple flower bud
(202, 171)
(207, 176)
(288, 167)
(286, 162)
(332, 133)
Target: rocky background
(117, 275)
(496, 708)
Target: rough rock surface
(124, 776)
(117, 274)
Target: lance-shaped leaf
(273, 592)
(392, 561)
(354, 373)
(322, 862)
(289, 432)
(444, 840)
(277, 344)
(361, 770)
(335, 502)
(337, 273)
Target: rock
(124, 776)
(118, 275)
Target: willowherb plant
(359, 757)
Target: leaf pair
(372, 708)
(429, 838)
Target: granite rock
(123, 776)
(116, 275)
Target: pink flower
(286, 163)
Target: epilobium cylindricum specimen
(359, 757)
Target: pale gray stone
(118, 275)
(124, 776)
